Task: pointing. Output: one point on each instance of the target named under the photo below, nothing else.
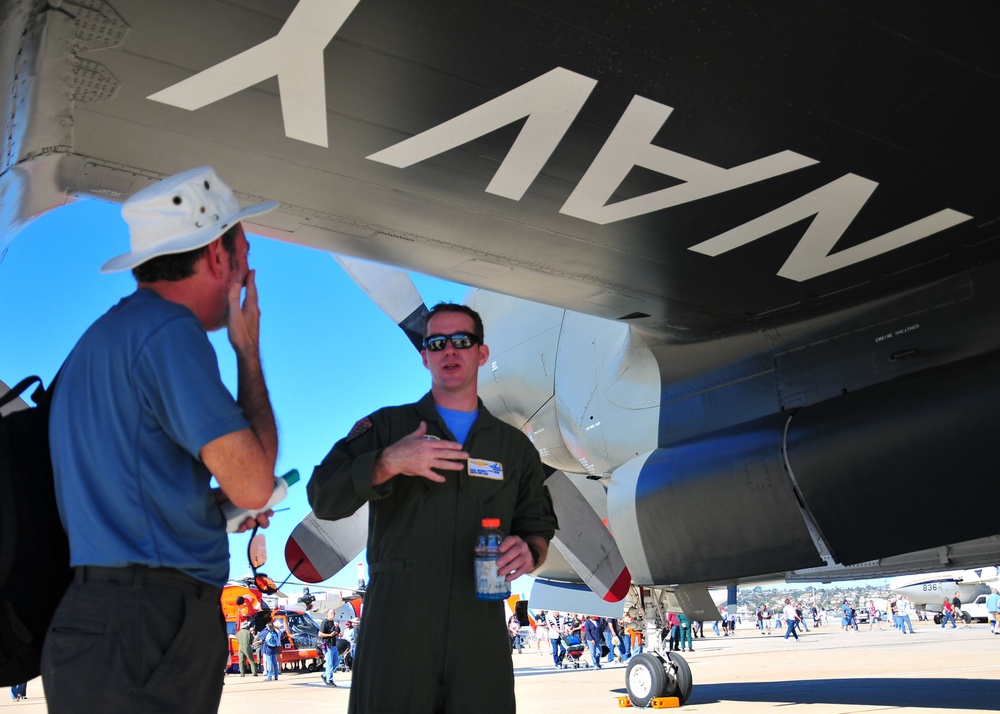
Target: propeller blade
(317, 550)
(394, 293)
(584, 540)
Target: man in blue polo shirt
(140, 422)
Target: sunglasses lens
(461, 342)
(435, 344)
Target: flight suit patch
(481, 468)
(360, 428)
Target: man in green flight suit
(431, 472)
(244, 638)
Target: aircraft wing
(967, 554)
(689, 167)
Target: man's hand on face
(413, 455)
(244, 320)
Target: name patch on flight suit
(481, 468)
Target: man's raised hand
(413, 455)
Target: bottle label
(490, 585)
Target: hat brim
(191, 241)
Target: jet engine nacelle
(866, 475)
(722, 505)
(584, 389)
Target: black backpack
(34, 551)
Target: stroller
(344, 650)
(574, 652)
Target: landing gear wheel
(681, 683)
(650, 676)
(645, 679)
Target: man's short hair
(477, 321)
(177, 266)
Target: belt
(136, 575)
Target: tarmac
(827, 672)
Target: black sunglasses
(460, 341)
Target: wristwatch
(536, 554)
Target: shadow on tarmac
(875, 692)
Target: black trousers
(135, 640)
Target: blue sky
(330, 356)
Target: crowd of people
(617, 639)
(608, 640)
(898, 613)
(790, 616)
(336, 644)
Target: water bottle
(235, 516)
(490, 585)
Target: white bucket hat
(180, 213)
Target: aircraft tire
(681, 683)
(649, 676)
(645, 679)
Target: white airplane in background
(928, 591)
(739, 263)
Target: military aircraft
(927, 591)
(763, 237)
